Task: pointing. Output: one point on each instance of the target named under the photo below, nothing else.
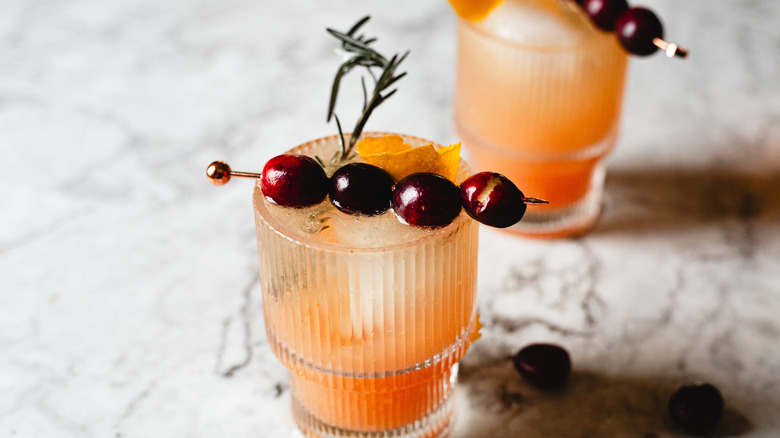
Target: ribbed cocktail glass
(369, 315)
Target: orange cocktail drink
(538, 98)
(370, 315)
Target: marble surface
(128, 293)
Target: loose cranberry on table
(426, 200)
(294, 181)
(546, 366)
(360, 188)
(696, 407)
(492, 199)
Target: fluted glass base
(414, 405)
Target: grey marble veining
(129, 302)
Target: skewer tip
(670, 49)
(534, 201)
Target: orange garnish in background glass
(400, 159)
(474, 10)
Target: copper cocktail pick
(219, 173)
(670, 49)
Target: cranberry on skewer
(294, 181)
(426, 200)
(360, 188)
(604, 13)
(494, 200)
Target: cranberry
(636, 28)
(696, 407)
(426, 200)
(604, 13)
(545, 366)
(492, 199)
(360, 188)
(294, 181)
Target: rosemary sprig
(362, 55)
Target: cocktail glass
(537, 98)
(370, 315)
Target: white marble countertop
(128, 297)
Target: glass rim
(587, 44)
(263, 213)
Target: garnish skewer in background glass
(538, 96)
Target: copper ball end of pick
(218, 173)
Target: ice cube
(536, 24)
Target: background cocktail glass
(369, 315)
(537, 98)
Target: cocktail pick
(219, 173)
(670, 49)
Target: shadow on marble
(661, 200)
(496, 403)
